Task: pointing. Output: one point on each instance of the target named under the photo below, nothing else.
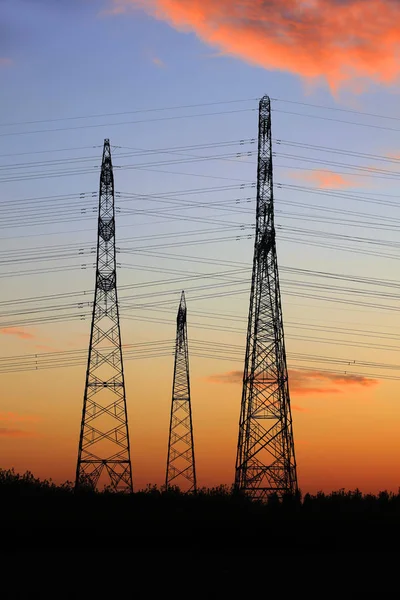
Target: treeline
(39, 512)
(14, 485)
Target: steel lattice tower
(104, 437)
(265, 462)
(181, 469)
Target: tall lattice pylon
(265, 462)
(104, 452)
(181, 470)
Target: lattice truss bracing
(265, 462)
(104, 453)
(181, 471)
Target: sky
(175, 85)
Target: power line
(332, 150)
(368, 125)
(135, 152)
(159, 119)
(131, 112)
(337, 109)
(59, 359)
(200, 105)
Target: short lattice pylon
(104, 452)
(265, 461)
(181, 471)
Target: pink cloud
(158, 62)
(334, 40)
(5, 62)
(24, 335)
(326, 179)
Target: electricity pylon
(181, 471)
(265, 461)
(104, 437)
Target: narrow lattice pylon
(181, 471)
(104, 452)
(265, 461)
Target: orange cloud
(46, 347)
(116, 9)
(298, 408)
(304, 383)
(326, 179)
(393, 155)
(24, 335)
(230, 377)
(15, 417)
(331, 39)
(15, 433)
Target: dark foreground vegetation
(39, 514)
